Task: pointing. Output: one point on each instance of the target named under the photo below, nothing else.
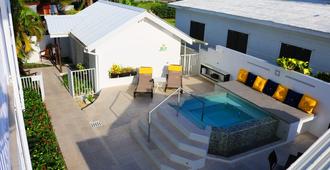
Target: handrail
(177, 91)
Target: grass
(35, 65)
(170, 21)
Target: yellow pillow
(307, 104)
(145, 70)
(259, 83)
(280, 93)
(174, 67)
(242, 75)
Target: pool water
(220, 110)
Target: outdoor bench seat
(282, 111)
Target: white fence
(81, 82)
(190, 63)
(231, 61)
(35, 83)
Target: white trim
(23, 148)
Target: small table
(159, 82)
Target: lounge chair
(174, 77)
(46, 54)
(145, 81)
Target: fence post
(70, 82)
(42, 89)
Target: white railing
(317, 156)
(81, 82)
(177, 92)
(35, 83)
(190, 63)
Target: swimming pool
(237, 125)
(220, 110)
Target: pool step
(178, 139)
(183, 125)
(186, 159)
(152, 151)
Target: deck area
(110, 146)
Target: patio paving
(111, 146)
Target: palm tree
(27, 23)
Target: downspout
(97, 86)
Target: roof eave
(256, 21)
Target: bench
(286, 113)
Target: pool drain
(95, 124)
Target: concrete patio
(110, 146)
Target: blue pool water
(220, 110)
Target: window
(197, 30)
(292, 51)
(237, 41)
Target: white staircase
(175, 143)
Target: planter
(133, 73)
(124, 74)
(114, 75)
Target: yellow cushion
(259, 83)
(280, 93)
(307, 104)
(145, 70)
(242, 75)
(174, 67)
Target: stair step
(178, 139)
(181, 157)
(184, 126)
(155, 155)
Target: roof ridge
(122, 5)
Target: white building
(14, 150)
(107, 33)
(264, 29)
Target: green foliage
(163, 11)
(71, 12)
(34, 65)
(325, 76)
(170, 21)
(158, 8)
(26, 23)
(126, 70)
(294, 64)
(90, 97)
(115, 69)
(65, 80)
(80, 66)
(79, 84)
(44, 150)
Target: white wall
(34, 56)
(231, 61)
(264, 42)
(138, 45)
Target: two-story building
(264, 29)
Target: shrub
(44, 150)
(80, 66)
(323, 76)
(163, 11)
(115, 69)
(294, 64)
(35, 65)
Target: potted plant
(125, 72)
(115, 71)
(133, 72)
